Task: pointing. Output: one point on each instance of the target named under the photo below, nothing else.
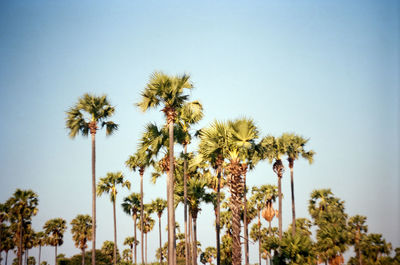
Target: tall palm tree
(191, 113)
(273, 149)
(107, 185)
(54, 229)
(358, 229)
(84, 117)
(82, 232)
(261, 196)
(158, 206)
(22, 206)
(213, 149)
(131, 206)
(141, 160)
(294, 146)
(167, 91)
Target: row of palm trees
(229, 148)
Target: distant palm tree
(22, 206)
(107, 185)
(191, 113)
(141, 160)
(54, 229)
(6, 240)
(158, 206)
(82, 232)
(83, 118)
(131, 241)
(148, 224)
(131, 206)
(167, 91)
(40, 240)
(358, 229)
(294, 146)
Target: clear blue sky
(328, 70)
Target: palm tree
(82, 232)
(22, 206)
(131, 241)
(141, 160)
(358, 229)
(188, 115)
(273, 149)
(158, 206)
(167, 91)
(294, 146)
(54, 229)
(98, 110)
(213, 149)
(40, 240)
(148, 224)
(107, 185)
(6, 240)
(131, 206)
(107, 249)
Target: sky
(327, 70)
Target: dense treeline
(212, 173)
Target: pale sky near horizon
(328, 70)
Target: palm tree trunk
(141, 215)
(26, 256)
(115, 233)
(190, 236)
(7, 258)
(40, 252)
(293, 205)
(280, 206)
(159, 231)
(83, 256)
(246, 231)
(185, 201)
(20, 245)
(93, 133)
(134, 224)
(171, 209)
(195, 240)
(236, 200)
(55, 249)
(259, 236)
(217, 221)
(146, 249)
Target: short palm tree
(148, 224)
(131, 206)
(191, 113)
(81, 229)
(54, 229)
(140, 161)
(158, 206)
(22, 206)
(131, 241)
(213, 149)
(294, 147)
(84, 117)
(107, 185)
(40, 240)
(167, 91)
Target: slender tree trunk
(93, 133)
(195, 239)
(293, 205)
(246, 231)
(280, 206)
(217, 221)
(55, 248)
(259, 237)
(26, 256)
(134, 224)
(20, 245)
(83, 256)
(190, 236)
(141, 215)
(171, 209)
(146, 249)
(115, 233)
(185, 202)
(159, 231)
(7, 258)
(40, 252)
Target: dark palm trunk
(115, 233)
(26, 256)
(40, 252)
(83, 257)
(246, 231)
(280, 207)
(217, 221)
(185, 202)
(195, 239)
(20, 245)
(291, 162)
(93, 133)
(7, 257)
(141, 214)
(159, 231)
(134, 225)
(190, 236)
(171, 209)
(55, 249)
(236, 188)
(259, 237)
